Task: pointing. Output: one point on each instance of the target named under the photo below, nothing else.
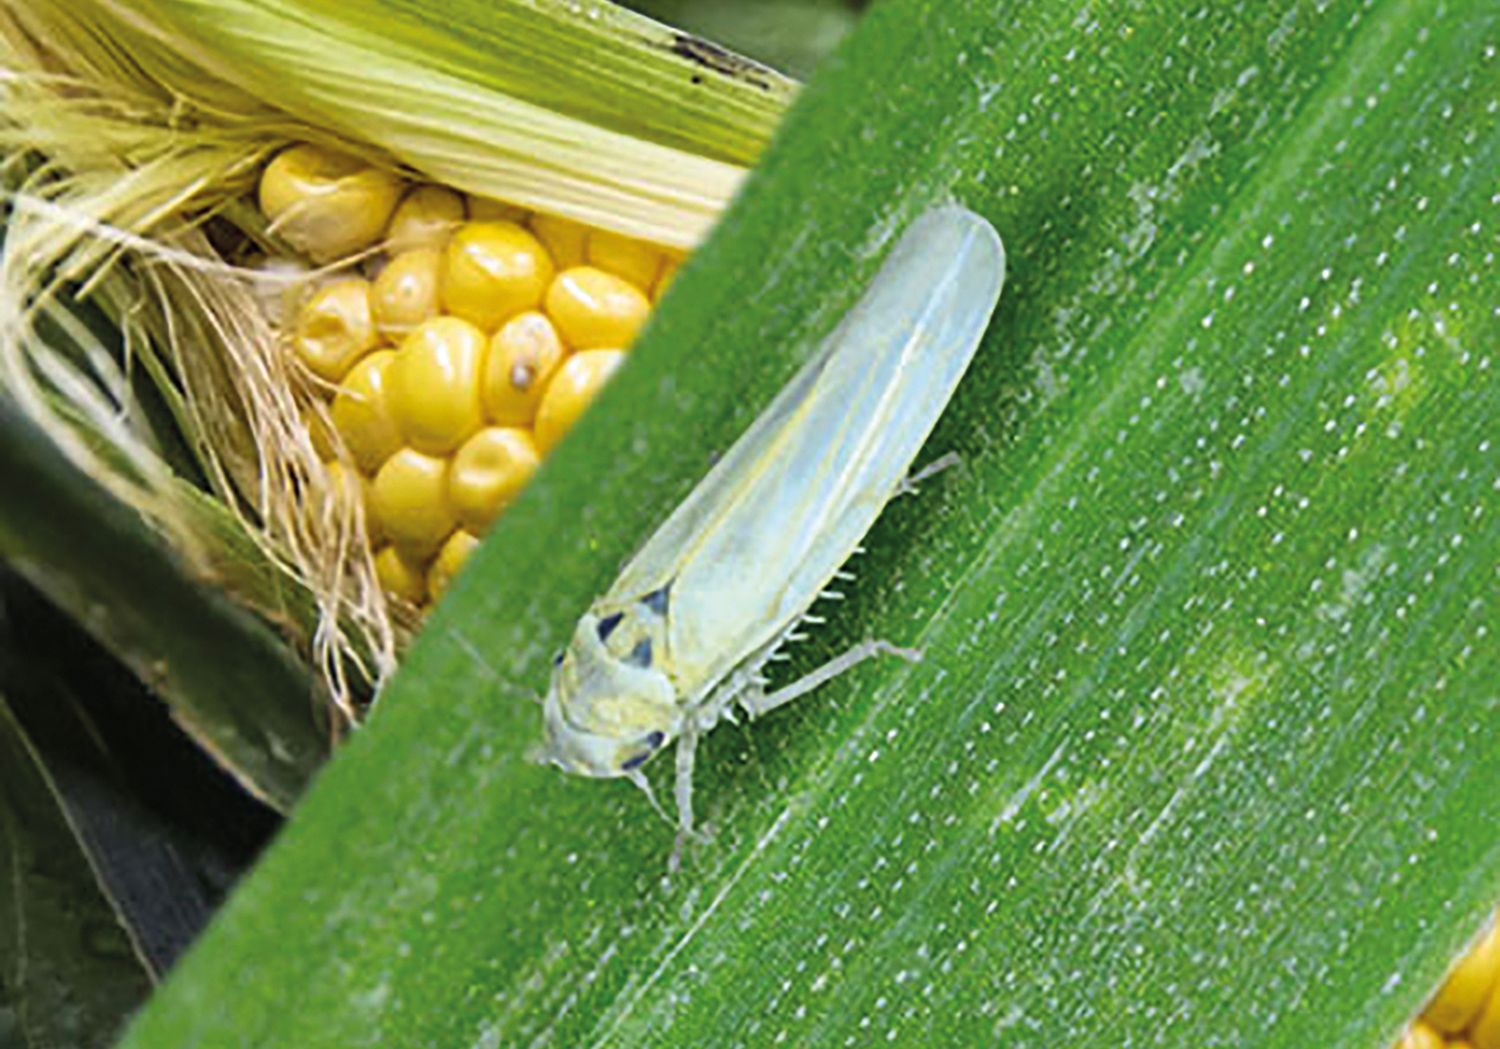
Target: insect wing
(752, 546)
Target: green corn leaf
(68, 975)
(1206, 746)
(228, 680)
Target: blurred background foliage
(789, 35)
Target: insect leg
(683, 791)
(908, 484)
(758, 703)
(638, 778)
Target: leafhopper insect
(684, 634)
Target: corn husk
(130, 135)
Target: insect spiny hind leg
(756, 703)
(908, 484)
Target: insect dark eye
(606, 626)
(557, 660)
(656, 601)
(652, 741)
(640, 655)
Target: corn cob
(153, 146)
(455, 341)
(1465, 1012)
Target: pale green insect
(683, 635)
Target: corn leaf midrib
(1169, 791)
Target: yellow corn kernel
(493, 271)
(448, 561)
(335, 328)
(425, 218)
(571, 390)
(594, 309)
(406, 292)
(1484, 1030)
(362, 411)
(326, 204)
(1464, 992)
(1420, 1036)
(488, 472)
(433, 386)
(410, 497)
(668, 274)
(487, 209)
(399, 576)
(635, 260)
(566, 240)
(523, 355)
